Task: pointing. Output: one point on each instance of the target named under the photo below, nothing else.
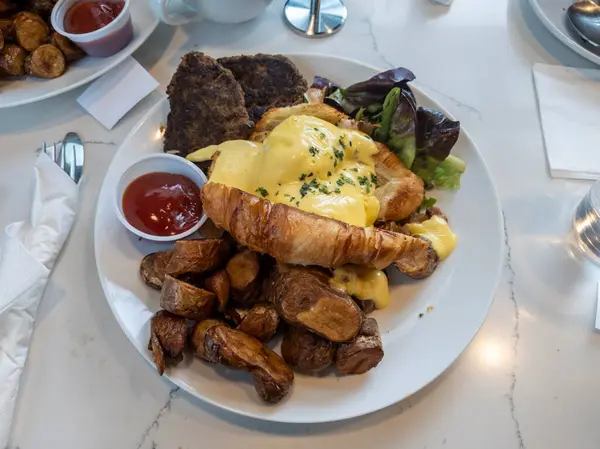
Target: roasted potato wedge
(198, 335)
(31, 33)
(46, 61)
(426, 215)
(198, 256)
(185, 300)
(71, 51)
(420, 264)
(363, 353)
(306, 351)
(367, 305)
(27, 15)
(219, 284)
(168, 334)
(244, 271)
(12, 60)
(303, 297)
(261, 321)
(238, 350)
(153, 269)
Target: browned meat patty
(268, 81)
(207, 106)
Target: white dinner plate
(20, 91)
(553, 14)
(454, 300)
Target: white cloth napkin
(113, 95)
(569, 105)
(27, 255)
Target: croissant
(297, 237)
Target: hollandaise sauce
(306, 163)
(362, 283)
(437, 231)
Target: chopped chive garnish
(346, 179)
(262, 191)
(339, 154)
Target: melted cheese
(363, 283)
(306, 163)
(438, 232)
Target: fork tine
(61, 157)
(44, 149)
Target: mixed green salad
(421, 137)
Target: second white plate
(553, 14)
(453, 302)
(16, 92)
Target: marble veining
(155, 424)
(374, 44)
(516, 336)
(459, 104)
(99, 142)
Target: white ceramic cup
(179, 12)
(158, 162)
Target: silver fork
(69, 156)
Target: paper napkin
(569, 106)
(27, 255)
(113, 95)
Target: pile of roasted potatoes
(224, 303)
(28, 45)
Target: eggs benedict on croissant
(308, 192)
(307, 163)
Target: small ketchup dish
(158, 198)
(100, 27)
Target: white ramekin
(104, 42)
(152, 163)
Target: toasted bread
(294, 236)
(274, 117)
(399, 191)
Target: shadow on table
(156, 46)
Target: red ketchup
(162, 204)
(86, 17)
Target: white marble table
(530, 379)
